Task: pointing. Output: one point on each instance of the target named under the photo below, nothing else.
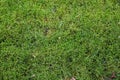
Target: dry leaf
(72, 78)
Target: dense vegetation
(59, 39)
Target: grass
(59, 39)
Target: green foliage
(59, 39)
